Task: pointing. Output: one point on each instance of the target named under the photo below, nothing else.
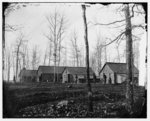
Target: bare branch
(48, 37)
(110, 23)
(135, 37)
(56, 25)
(117, 38)
(60, 28)
(138, 10)
(50, 21)
(122, 38)
(138, 26)
(118, 21)
(119, 26)
(35, 57)
(10, 28)
(75, 48)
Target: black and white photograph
(74, 59)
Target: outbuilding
(116, 73)
(46, 73)
(76, 75)
(28, 75)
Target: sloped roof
(79, 70)
(25, 72)
(50, 69)
(119, 67)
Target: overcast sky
(34, 25)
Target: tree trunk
(55, 46)
(3, 42)
(17, 65)
(49, 60)
(59, 55)
(129, 61)
(13, 64)
(90, 106)
(45, 56)
(54, 66)
(24, 63)
(50, 53)
(77, 57)
(117, 47)
(105, 52)
(99, 58)
(8, 74)
(146, 66)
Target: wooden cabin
(46, 73)
(28, 75)
(116, 73)
(76, 75)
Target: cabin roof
(50, 69)
(25, 72)
(79, 70)
(119, 67)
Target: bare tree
(60, 50)
(27, 58)
(90, 106)
(8, 63)
(49, 52)
(75, 48)
(118, 54)
(65, 57)
(105, 50)
(127, 31)
(45, 57)
(9, 66)
(18, 45)
(6, 10)
(99, 50)
(24, 61)
(129, 58)
(122, 32)
(93, 63)
(136, 53)
(35, 60)
(13, 62)
(56, 25)
(81, 57)
(96, 57)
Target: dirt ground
(68, 101)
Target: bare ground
(42, 101)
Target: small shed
(28, 75)
(76, 75)
(46, 73)
(115, 73)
